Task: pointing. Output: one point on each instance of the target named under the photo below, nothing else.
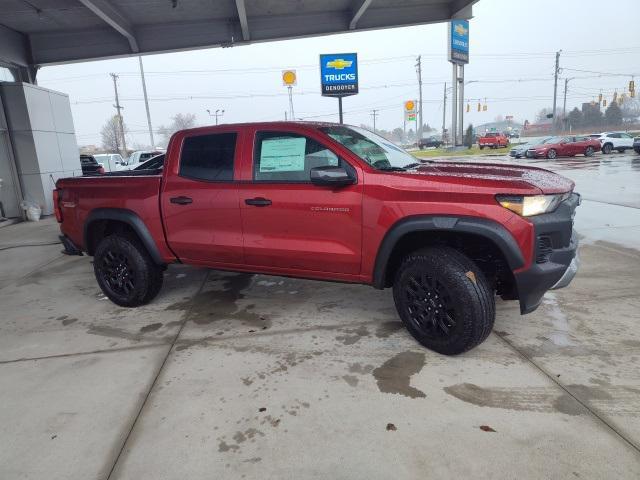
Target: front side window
(208, 157)
(289, 157)
(377, 151)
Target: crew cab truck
(331, 202)
(493, 140)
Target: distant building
(502, 127)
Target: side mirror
(331, 177)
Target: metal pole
(146, 103)
(564, 103)
(555, 88)
(444, 113)
(374, 114)
(291, 114)
(419, 65)
(454, 102)
(461, 107)
(340, 108)
(118, 108)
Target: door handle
(181, 200)
(258, 202)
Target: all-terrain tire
(444, 300)
(125, 271)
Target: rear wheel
(606, 148)
(481, 147)
(444, 300)
(552, 153)
(589, 151)
(621, 150)
(125, 272)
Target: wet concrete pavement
(239, 376)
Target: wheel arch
(102, 220)
(404, 231)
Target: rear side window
(289, 157)
(208, 157)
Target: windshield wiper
(417, 164)
(392, 169)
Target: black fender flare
(130, 218)
(488, 229)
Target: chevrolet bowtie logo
(460, 30)
(339, 63)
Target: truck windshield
(377, 151)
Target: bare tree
(180, 121)
(110, 134)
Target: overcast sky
(512, 53)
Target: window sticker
(283, 154)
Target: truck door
(289, 223)
(200, 199)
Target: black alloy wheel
(117, 272)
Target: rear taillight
(56, 205)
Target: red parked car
(565, 147)
(493, 140)
(330, 202)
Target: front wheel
(125, 272)
(444, 300)
(552, 154)
(589, 152)
(606, 148)
(621, 150)
(481, 147)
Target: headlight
(527, 206)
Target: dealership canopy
(44, 32)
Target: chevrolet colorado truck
(331, 202)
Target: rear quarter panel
(139, 194)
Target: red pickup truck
(331, 202)
(493, 140)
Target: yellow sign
(339, 63)
(410, 106)
(289, 78)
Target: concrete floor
(238, 376)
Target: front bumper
(555, 262)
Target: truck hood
(547, 182)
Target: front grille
(545, 249)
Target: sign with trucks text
(459, 41)
(339, 74)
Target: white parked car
(111, 162)
(619, 141)
(139, 157)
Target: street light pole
(216, 114)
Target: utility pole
(419, 70)
(146, 103)
(374, 114)
(118, 108)
(555, 88)
(444, 114)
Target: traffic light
(484, 107)
(600, 98)
(615, 96)
(479, 107)
(604, 102)
(632, 86)
(468, 108)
